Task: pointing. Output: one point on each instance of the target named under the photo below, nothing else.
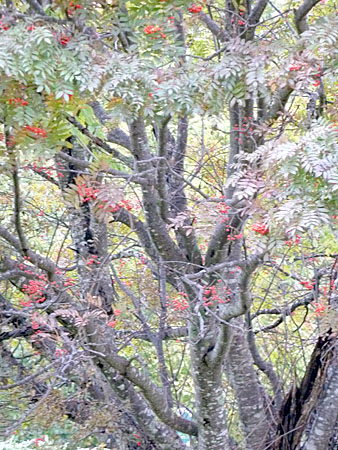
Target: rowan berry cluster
(319, 309)
(260, 228)
(3, 26)
(194, 9)
(308, 284)
(37, 131)
(37, 441)
(86, 193)
(64, 39)
(93, 260)
(117, 206)
(318, 75)
(72, 8)
(48, 170)
(246, 129)
(152, 29)
(210, 295)
(223, 208)
(180, 302)
(35, 290)
(17, 101)
(296, 241)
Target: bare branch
(99, 142)
(301, 13)
(212, 26)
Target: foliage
(168, 207)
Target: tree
(168, 258)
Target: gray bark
(248, 391)
(326, 412)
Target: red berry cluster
(45, 169)
(136, 435)
(3, 26)
(223, 208)
(210, 295)
(260, 228)
(319, 309)
(195, 9)
(234, 237)
(295, 67)
(142, 261)
(17, 101)
(115, 207)
(86, 193)
(296, 241)
(70, 282)
(35, 290)
(73, 8)
(308, 284)
(152, 29)
(179, 303)
(247, 129)
(38, 440)
(93, 260)
(64, 39)
(318, 75)
(117, 313)
(37, 131)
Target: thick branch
(43, 263)
(212, 26)
(265, 367)
(17, 207)
(301, 13)
(152, 393)
(99, 142)
(82, 164)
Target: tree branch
(99, 142)
(301, 13)
(212, 26)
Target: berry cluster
(195, 9)
(152, 29)
(115, 207)
(179, 303)
(319, 309)
(295, 67)
(318, 75)
(45, 169)
(87, 193)
(260, 228)
(308, 284)
(37, 131)
(3, 26)
(73, 8)
(93, 260)
(210, 295)
(17, 101)
(35, 290)
(296, 241)
(64, 39)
